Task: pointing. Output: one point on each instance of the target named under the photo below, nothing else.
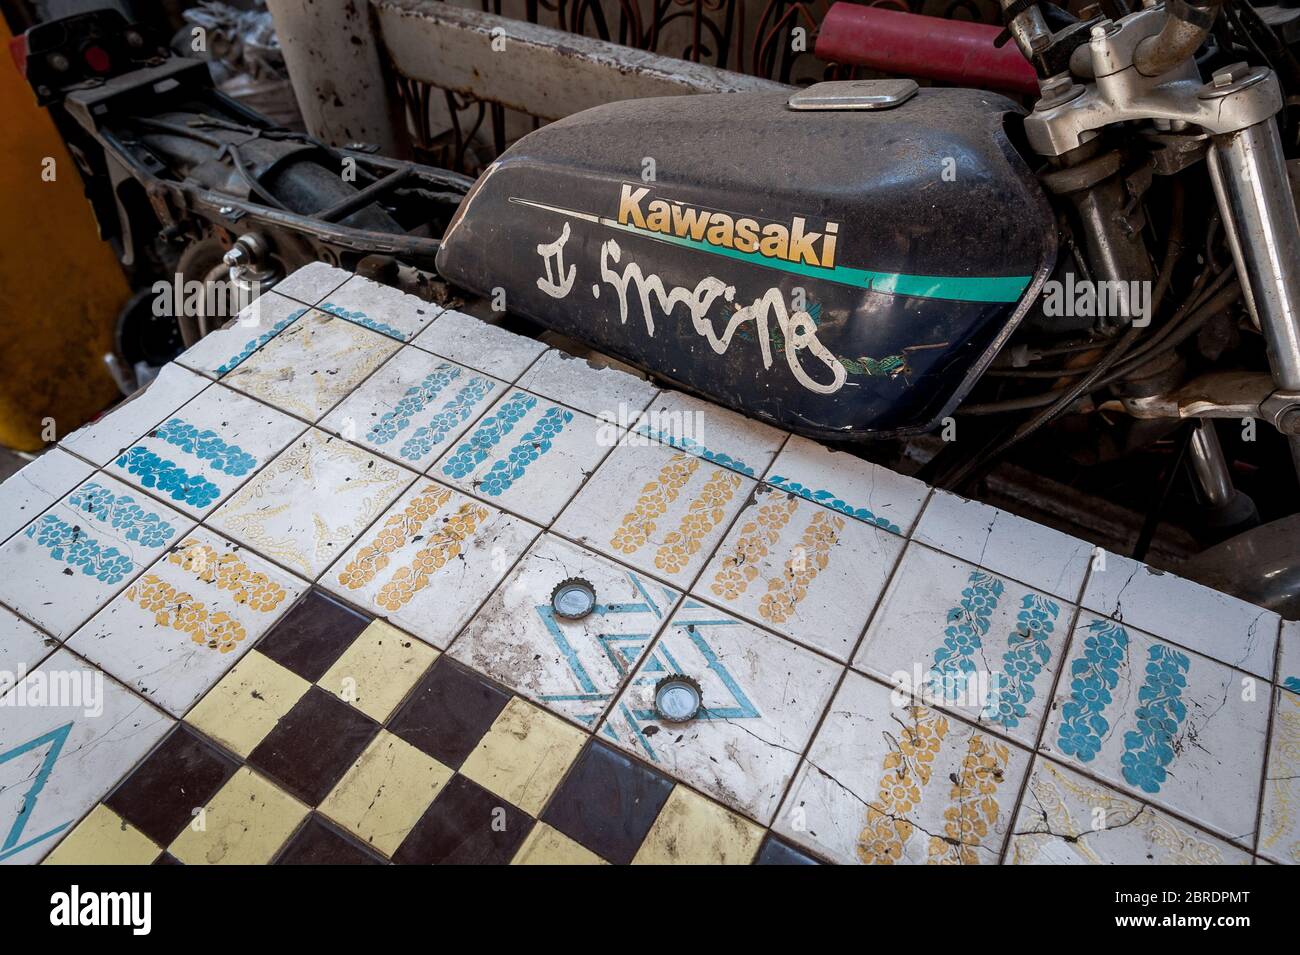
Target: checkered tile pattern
(311, 624)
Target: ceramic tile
(776, 851)
(38, 485)
(968, 641)
(608, 803)
(103, 838)
(377, 671)
(449, 712)
(163, 795)
(572, 667)
(483, 347)
(465, 825)
(805, 571)
(177, 629)
(762, 699)
(524, 755)
(67, 733)
(312, 636)
(247, 703)
(682, 508)
(431, 561)
(692, 830)
(22, 646)
(607, 393)
(1177, 728)
(198, 456)
(848, 484)
(224, 350)
(414, 407)
(547, 846)
(308, 505)
(104, 439)
(715, 434)
(385, 792)
(72, 559)
(526, 455)
(319, 843)
(1068, 819)
(884, 784)
(1288, 658)
(311, 365)
(1279, 831)
(1005, 544)
(245, 823)
(1198, 618)
(380, 308)
(312, 282)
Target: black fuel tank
(843, 274)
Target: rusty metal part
(1224, 394)
(1258, 566)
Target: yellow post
(60, 286)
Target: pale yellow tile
(694, 830)
(378, 670)
(104, 838)
(386, 791)
(524, 755)
(240, 710)
(246, 823)
(547, 846)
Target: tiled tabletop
(292, 604)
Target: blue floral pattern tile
(381, 308)
(225, 349)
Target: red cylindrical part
(908, 44)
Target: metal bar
(1210, 467)
(534, 69)
(364, 196)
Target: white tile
(850, 485)
(887, 784)
(609, 393)
(67, 735)
(38, 485)
(528, 455)
(1186, 613)
(483, 347)
(207, 449)
(1279, 831)
(72, 559)
(1288, 656)
(431, 561)
(414, 407)
(762, 698)
(657, 509)
(103, 440)
(175, 631)
(805, 571)
(22, 646)
(222, 351)
(309, 504)
(969, 641)
(573, 667)
(1068, 819)
(710, 432)
(1005, 543)
(380, 308)
(1178, 729)
(312, 282)
(312, 365)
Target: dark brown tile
(465, 825)
(448, 712)
(608, 803)
(318, 843)
(313, 745)
(167, 859)
(779, 852)
(311, 636)
(178, 777)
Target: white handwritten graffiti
(552, 254)
(798, 330)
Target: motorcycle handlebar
(1187, 24)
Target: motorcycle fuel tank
(844, 273)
